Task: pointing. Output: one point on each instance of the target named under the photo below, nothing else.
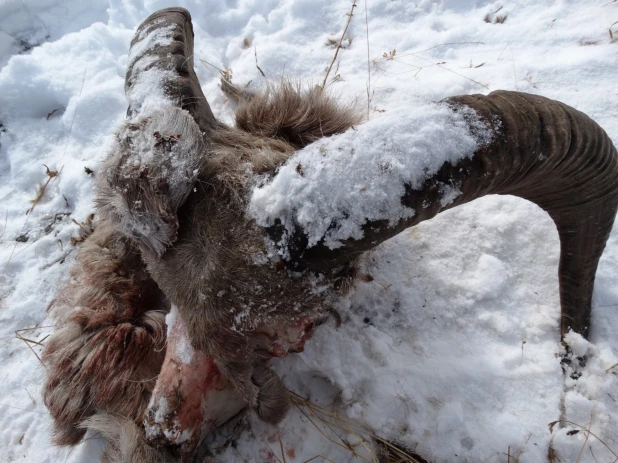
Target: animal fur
(171, 200)
(110, 343)
(217, 246)
(125, 441)
(103, 360)
(172, 227)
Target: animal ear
(366, 186)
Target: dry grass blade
(282, 452)
(49, 179)
(391, 57)
(85, 229)
(318, 456)
(419, 68)
(226, 74)
(256, 63)
(6, 219)
(275, 455)
(438, 46)
(553, 423)
(368, 63)
(318, 428)
(23, 409)
(41, 191)
(456, 73)
(28, 342)
(339, 44)
(611, 35)
(581, 451)
(323, 418)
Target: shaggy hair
(296, 115)
(218, 245)
(125, 441)
(183, 226)
(110, 341)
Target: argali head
(205, 208)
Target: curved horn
(539, 149)
(160, 150)
(161, 65)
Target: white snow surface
(146, 91)
(452, 349)
(362, 174)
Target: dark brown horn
(541, 150)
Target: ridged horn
(163, 44)
(540, 150)
(161, 148)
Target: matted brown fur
(110, 343)
(213, 273)
(108, 350)
(288, 111)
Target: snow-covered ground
(451, 349)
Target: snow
(184, 350)
(431, 353)
(146, 89)
(361, 175)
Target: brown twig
(30, 395)
(350, 14)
